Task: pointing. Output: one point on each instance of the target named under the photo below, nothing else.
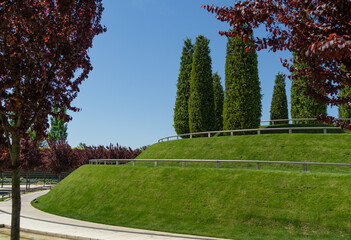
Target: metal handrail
(184, 161)
(248, 130)
(4, 193)
(288, 120)
(258, 130)
(300, 119)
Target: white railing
(258, 130)
(184, 161)
(297, 120)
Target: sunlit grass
(270, 147)
(228, 203)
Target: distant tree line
(59, 157)
(55, 155)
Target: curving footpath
(35, 220)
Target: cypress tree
(279, 104)
(201, 102)
(242, 103)
(302, 105)
(345, 109)
(58, 128)
(181, 113)
(218, 95)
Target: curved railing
(184, 161)
(297, 120)
(258, 130)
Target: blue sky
(129, 96)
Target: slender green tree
(201, 102)
(242, 103)
(218, 95)
(58, 128)
(302, 105)
(345, 109)
(279, 104)
(181, 113)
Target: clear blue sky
(129, 96)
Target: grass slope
(228, 203)
(270, 147)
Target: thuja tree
(181, 113)
(302, 105)
(218, 95)
(242, 103)
(318, 31)
(345, 109)
(58, 128)
(201, 104)
(279, 104)
(44, 58)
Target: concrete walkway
(36, 220)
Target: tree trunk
(16, 191)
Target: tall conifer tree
(201, 102)
(345, 109)
(302, 105)
(218, 95)
(58, 128)
(181, 113)
(242, 103)
(279, 104)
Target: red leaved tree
(43, 60)
(60, 157)
(31, 158)
(119, 152)
(5, 163)
(317, 31)
(82, 156)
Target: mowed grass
(226, 203)
(270, 147)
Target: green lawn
(270, 147)
(228, 203)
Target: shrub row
(59, 157)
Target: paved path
(34, 219)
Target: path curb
(49, 233)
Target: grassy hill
(270, 147)
(228, 203)
(233, 202)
